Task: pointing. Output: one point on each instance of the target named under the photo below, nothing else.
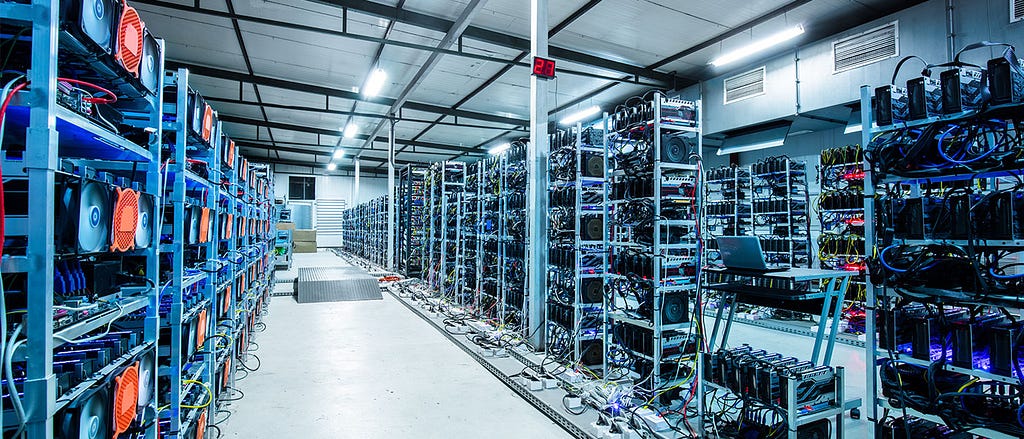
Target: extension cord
(626, 432)
(600, 429)
(550, 383)
(655, 421)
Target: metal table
(835, 284)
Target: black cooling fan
(84, 216)
(593, 229)
(150, 68)
(676, 148)
(88, 417)
(674, 309)
(89, 24)
(147, 216)
(594, 166)
(592, 290)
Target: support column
(536, 189)
(392, 224)
(355, 184)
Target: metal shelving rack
(781, 220)
(879, 297)
(674, 252)
(53, 135)
(726, 206)
(470, 244)
(445, 182)
(191, 291)
(841, 245)
(576, 284)
(410, 220)
(491, 278)
(512, 238)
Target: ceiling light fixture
(758, 46)
(332, 166)
(499, 149)
(351, 130)
(375, 82)
(338, 154)
(580, 115)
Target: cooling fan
(131, 32)
(126, 399)
(151, 68)
(676, 148)
(593, 229)
(126, 219)
(592, 353)
(88, 25)
(592, 290)
(145, 226)
(147, 379)
(674, 309)
(84, 216)
(87, 417)
(193, 214)
(196, 105)
(593, 165)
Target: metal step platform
(335, 284)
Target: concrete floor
(373, 369)
(370, 369)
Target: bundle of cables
(972, 145)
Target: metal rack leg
(840, 299)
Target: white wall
(334, 187)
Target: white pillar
(355, 184)
(392, 224)
(536, 188)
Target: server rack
(780, 210)
(727, 206)
(654, 243)
(512, 240)
(575, 310)
(914, 316)
(63, 144)
(410, 220)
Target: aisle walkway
(369, 370)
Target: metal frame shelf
(55, 137)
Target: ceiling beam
(452, 34)
(364, 170)
(305, 129)
(497, 38)
(314, 153)
(214, 72)
(316, 150)
(396, 118)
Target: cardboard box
(304, 235)
(304, 247)
(286, 226)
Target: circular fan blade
(147, 371)
(144, 231)
(93, 218)
(94, 418)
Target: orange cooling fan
(131, 32)
(204, 226)
(126, 399)
(207, 122)
(201, 425)
(126, 220)
(201, 330)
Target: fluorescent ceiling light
(375, 82)
(332, 166)
(758, 46)
(351, 130)
(850, 129)
(499, 149)
(767, 138)
(339, 154)
(580, 115)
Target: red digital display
(543, 67)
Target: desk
(837, 282)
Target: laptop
(744, 253)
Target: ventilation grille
(745, 85)
(1016, 10)
(865, 48)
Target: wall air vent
(744, 85)
(1016, 10)
(867, 47)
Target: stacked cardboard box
(305, 240)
